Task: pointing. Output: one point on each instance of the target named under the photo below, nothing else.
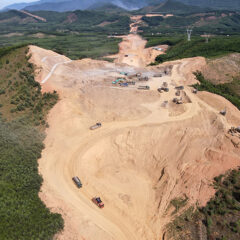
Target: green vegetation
(77, 34)
(227, 90)
(20, 94)
(217, 46)
(220, 217)
(22, 121)
(179, 203)
(213, 22)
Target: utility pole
(189, 33)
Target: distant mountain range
(172, 6)
(71, 5)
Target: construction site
(137, 136)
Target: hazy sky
(4, 3)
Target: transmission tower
(207, 36)
(189, 33)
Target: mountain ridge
(71, 5)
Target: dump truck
(157, 75)
(97, 125)
(179, 87)
(143, 87)
(98, 202)
(143, 79)
(77, 181)
(124, 84)
(195, 91)
(131, 83)
(165, 89)
(161, 89)
(223, 112)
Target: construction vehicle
(157, 75)
(131, 83)
(195, 91)
(164, 104)
(144, 87)
(123, 73)
(223, 112)
(98, 202)
(77, 182)
(143, 79)
(124, 84)
(178, 101)
(165, 84)
(165, 89)
(138, 75)
(178, 93)
(179, 87)
(97, 125)
(118, 80)
(234, 131)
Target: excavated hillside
(148, 151)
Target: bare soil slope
(144, 155)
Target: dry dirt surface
(147, 152)
(224, 69)
(132, 51)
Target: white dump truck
(143, 87)
(97, 125)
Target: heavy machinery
(157, 75)
(234, 131)
(97, 125)
(77, 181)
(178, 101)
(165, 89)
(98, 202)
(131, 83)
(119, 80)
(165, 84)
(143, 79)
(178, 93)
(195, 91)
(179, 87)
(223, 112)
(143, 87)
(124, 84)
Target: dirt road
(145, 154)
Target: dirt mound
(222, 70)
